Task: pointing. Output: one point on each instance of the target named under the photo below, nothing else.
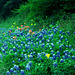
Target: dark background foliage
(40, 7)
(7, 5)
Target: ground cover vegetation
(37, 37)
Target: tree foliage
(7, 5)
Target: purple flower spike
(27, 67)
(14, 49)
(60, 31)
(61, 60)
(22, 72)
(66, 55)
(11, 70)
(70, 46)
(19, 60)
(8, 73)
(1, 56)
(3, 51)
(55, 64)
(13, 61)
(52, 44)
(73, 32)
(66, 45)
(15, 72)
(68, 32)
(30, 57)
(15, 54)
(58, 52)
(73, 57)
(30, 63)
(61, 37)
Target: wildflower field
(48, 51)
(37, 37)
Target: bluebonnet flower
(69, 56)
(23, 50)
(16, 67)
(54, 56)
(61, 60)
(11, 70)
(60, 31)
(42, 45)
(59, 41)
(66, 39)
(52, 44)
(61, 37)
(27, 67)
(54, 31)
(51, 35)
(43, 40)
(63, 57)
(19, 60)
(30, 57)
(48, 40)
(73, 32)
(66, 55)
(3, 51)
(15, 53)
(39, 55)
(18, 51)
(58, 52)
(15, 72)
(26, 57)
(1, 56)
(68, 32)
(69, 53)
(52, 52)
(31, 53)
(30, 63)
(73, 57)
(55, 64)
(13, 61)
(21, 45)
(0, 37)
(50, 48)
(22, 72)
(21, 33)
(52, 23)
(66, 45)
(34, 53)
(40, 42)
(60, 48)
(18, 34)
(70, 46)
(8, 73)
(14, 49)
(63, 33)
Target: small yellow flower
(13, 23)
(48, 55)
(24, 23)
(17, 27)
(31, 24)
(3, 33)
(34, 24)
(28, 55)
(31, 20)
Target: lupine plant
(27, 52)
